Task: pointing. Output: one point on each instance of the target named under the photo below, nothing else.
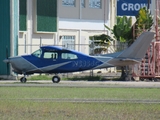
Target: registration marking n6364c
(85, 63)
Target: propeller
(7, 61)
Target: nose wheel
(56, 79)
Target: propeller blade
(7, 59)
(6, 52)
(7, 68)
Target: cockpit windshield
(37, 53)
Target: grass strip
(14, 103)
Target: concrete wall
(87, 13)
(75, 21)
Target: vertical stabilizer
(138, 49)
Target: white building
(63, 22)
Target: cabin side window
(68, 56)
(37, 53)
(50, 55)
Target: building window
(83, 3)
(45, 20)
(95, 3)
(68, 42)
(68, 3)
(22, 15)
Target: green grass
(24, 110)
(41, 103)
(73, 92)
(40, 77)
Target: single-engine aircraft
(53, 59)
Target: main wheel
(142, 79)
(55, 79)
(23, 80)
(155, 79)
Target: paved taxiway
(46, 83)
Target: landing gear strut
(126, 75)
(56, 79)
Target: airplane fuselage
(63, 61)
(50, 59)
(40, 65)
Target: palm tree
(100, 43)
(122, 31)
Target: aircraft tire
(55, 79)
(23, 80)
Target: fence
(84, 48)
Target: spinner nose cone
(6, 60)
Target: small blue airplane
(53, 59)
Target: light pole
(148, 4)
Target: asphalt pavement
(134, 84)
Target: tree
(100, 43)
(122, 31)
(144, 21)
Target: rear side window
(68, 56)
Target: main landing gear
(55, 79)
(23, 79)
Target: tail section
(138, 49)
(135, 52)
(131, 55)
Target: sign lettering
(130, 7)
